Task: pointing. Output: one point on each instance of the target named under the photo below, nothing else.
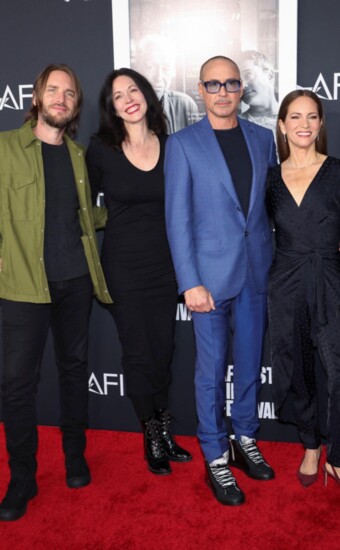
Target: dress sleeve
(94, 168)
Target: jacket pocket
(17, 194)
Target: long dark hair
(282, 144)
(39, 89)
(111, 127)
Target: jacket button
(246, 233)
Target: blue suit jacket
(210, 239)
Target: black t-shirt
(135, 251)
(236, 154)
(63, 250)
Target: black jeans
(25, 328)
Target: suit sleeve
(179, 214)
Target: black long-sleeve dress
(138, 269)
(304, 300)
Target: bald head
(217, 60)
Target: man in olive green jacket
(49, 270)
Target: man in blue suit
(220, 241)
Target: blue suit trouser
(245, 318)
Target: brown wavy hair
(282, 144)
(39, 89)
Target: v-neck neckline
(307, 189)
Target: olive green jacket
(22, 218)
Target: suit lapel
(253, 148)
(219, 169)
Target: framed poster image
(168, 41)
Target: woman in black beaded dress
(303, 200)
(125, 162)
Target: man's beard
(59, 122)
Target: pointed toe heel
(308, 479)
(333, 474)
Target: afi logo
(15, 99)
(328, 91)
(109, 380)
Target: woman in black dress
(303, 200)
(125, 162)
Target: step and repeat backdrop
(279, 44)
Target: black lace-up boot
(157, 460)
(172, 450)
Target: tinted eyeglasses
(231, 85)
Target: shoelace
(166, 423)
(153, 434)
(253, 452)
(223, 475)
(152, 430)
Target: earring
(285, 138)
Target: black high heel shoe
(308, 479)
(332, 474)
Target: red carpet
(126, 507)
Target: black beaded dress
(304, 301)
(138, 268)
